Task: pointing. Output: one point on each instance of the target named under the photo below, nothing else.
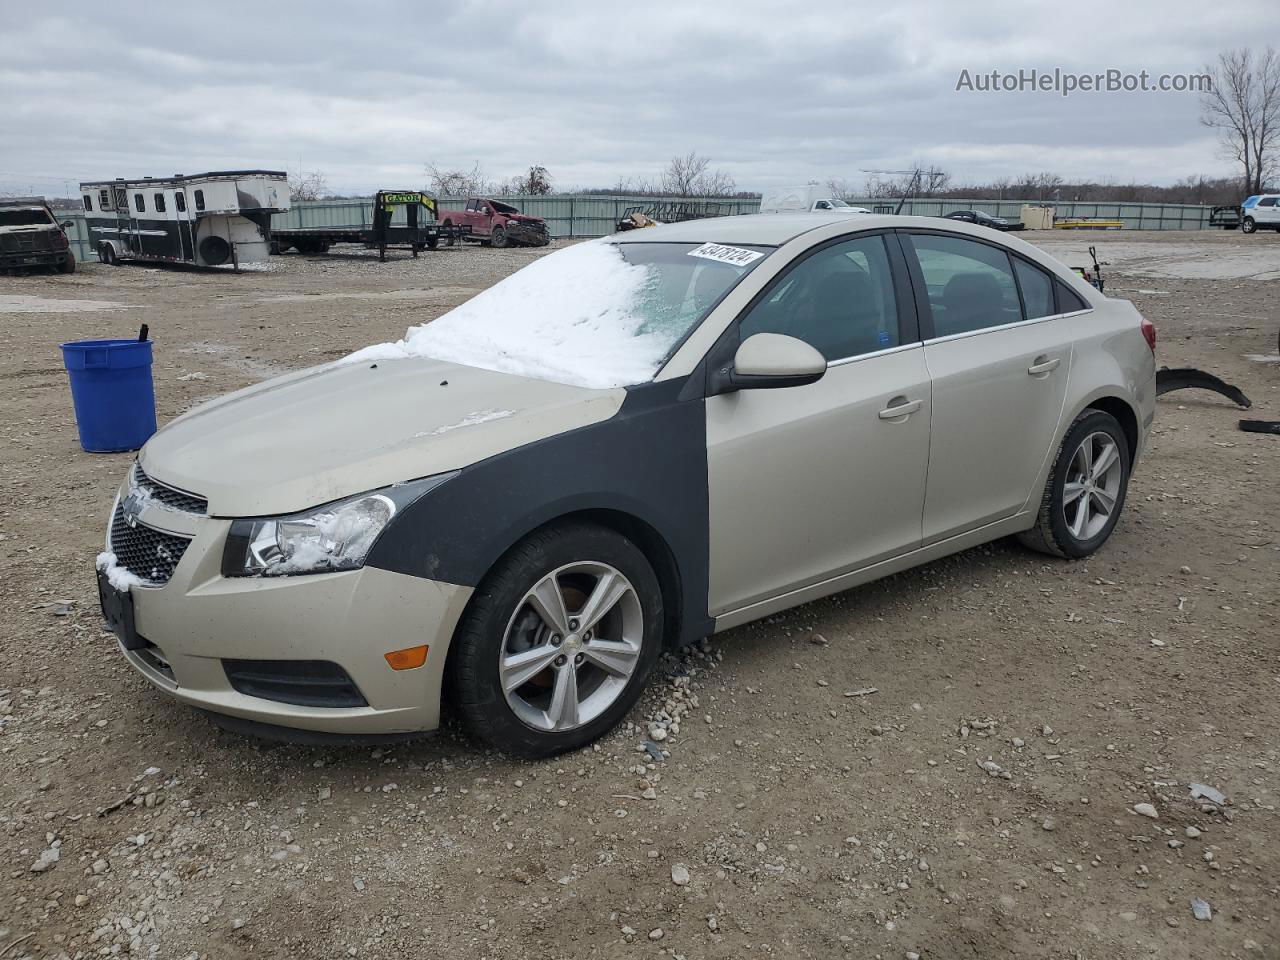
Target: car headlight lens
(337, 536)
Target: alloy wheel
(1092, 486)
(571, 646)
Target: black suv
(31, 237)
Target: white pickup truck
(807, 198)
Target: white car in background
(627, 445)
(806, 198)
(1261, 212)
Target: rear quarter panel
(1111, 360)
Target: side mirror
(771, 360)
(67, 224)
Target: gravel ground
(987, 756)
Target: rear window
(24, 218)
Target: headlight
(337, 536)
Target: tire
(215, 250)
(68, 264)
(1053, 532)
(502, 623)
(1248, 225)
(107, 254)
(497, 238)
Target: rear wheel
(558, 641)
(107, 254)
(1248, 225)
(1086, 489)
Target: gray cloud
(773, 93)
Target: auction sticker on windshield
(737, 256)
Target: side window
(180, 201)
(139, 203)
(158, 199)
(199, 198)
(88, 202)
(970, 284)
(840, 300)
(1068, 300)
(1267, 202)
(472, 206)
(104, 199)
(122, 199)
(1037, 289)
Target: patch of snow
(470, 420)
(16, 303)
(117, 576)
(253, 266)
(572, 317)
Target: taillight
(60, 241)
(1149, 334)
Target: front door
(810, 482)
(999, 362)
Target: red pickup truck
(497, 224)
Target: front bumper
(529, 234)
(199, 619)
(32, 258)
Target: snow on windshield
(583, 316)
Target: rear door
(806, 483)
(1268, 211)
(999, 362)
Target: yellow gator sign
(398, 198)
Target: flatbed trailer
(416, 233)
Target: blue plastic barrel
(111, 388)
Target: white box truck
(807, 198)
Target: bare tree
(691, 176)
(308, 186)
(459, 183)
(841, 188)
(1243, 106)
(536, 183)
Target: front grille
(169, 497)
(145, 552)
(303, 683)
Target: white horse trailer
(208, 219)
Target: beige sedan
(631, 443)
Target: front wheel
(498, 238)
(68, 264)
(1086, 489)
(558, 641)
(1249, 225)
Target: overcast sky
(368, 92)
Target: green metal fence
(595, 216)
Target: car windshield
(596, 314)
(24, 218)
(838, 203)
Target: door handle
(1044, 365)
(899, 410)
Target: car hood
(330, 432)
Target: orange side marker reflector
(408, 659)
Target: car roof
(772, 229)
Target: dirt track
(812, 823)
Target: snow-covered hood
(329, 432)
